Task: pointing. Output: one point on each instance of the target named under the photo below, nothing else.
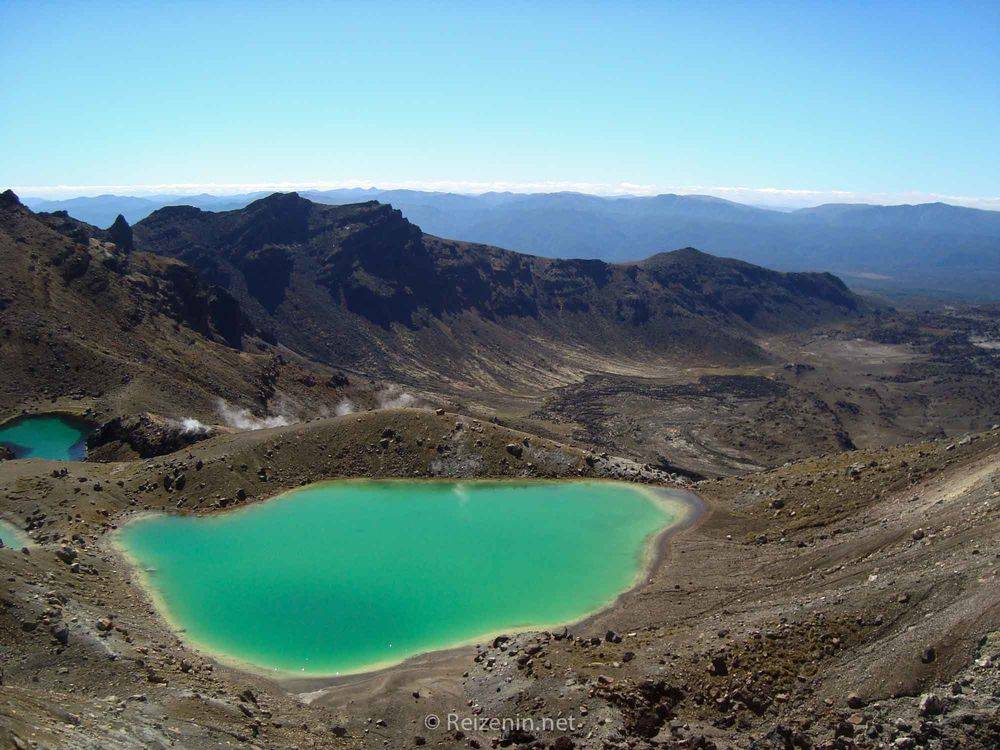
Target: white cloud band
(778, 197)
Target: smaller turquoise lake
(51, 436)
(12, 537)
(348, 576)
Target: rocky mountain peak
(8, 199)
(277, 201)
(121, 234)
(174, 213)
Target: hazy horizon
(773, 198)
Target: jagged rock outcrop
(121, 234)
(83, 318)
(157, 285)
(211, 311)
(145, 435)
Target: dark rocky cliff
(331, 280)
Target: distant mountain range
(934, 248)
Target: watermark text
(455, 722)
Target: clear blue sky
(867, 97)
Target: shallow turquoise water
(48, 436)
(342, 576)
(12, 537)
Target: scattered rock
(718, 667)
(930, 704)
(515, 736)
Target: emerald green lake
(341, 577)
(50, 436)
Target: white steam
(346, 406)
(189, 426)
(394, 398)
(244, 419)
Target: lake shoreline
(14, 538)
(685, 509)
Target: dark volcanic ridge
(932, 249)
(361, 284)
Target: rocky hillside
(360, 285)
(845, 601)
(86, 322)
